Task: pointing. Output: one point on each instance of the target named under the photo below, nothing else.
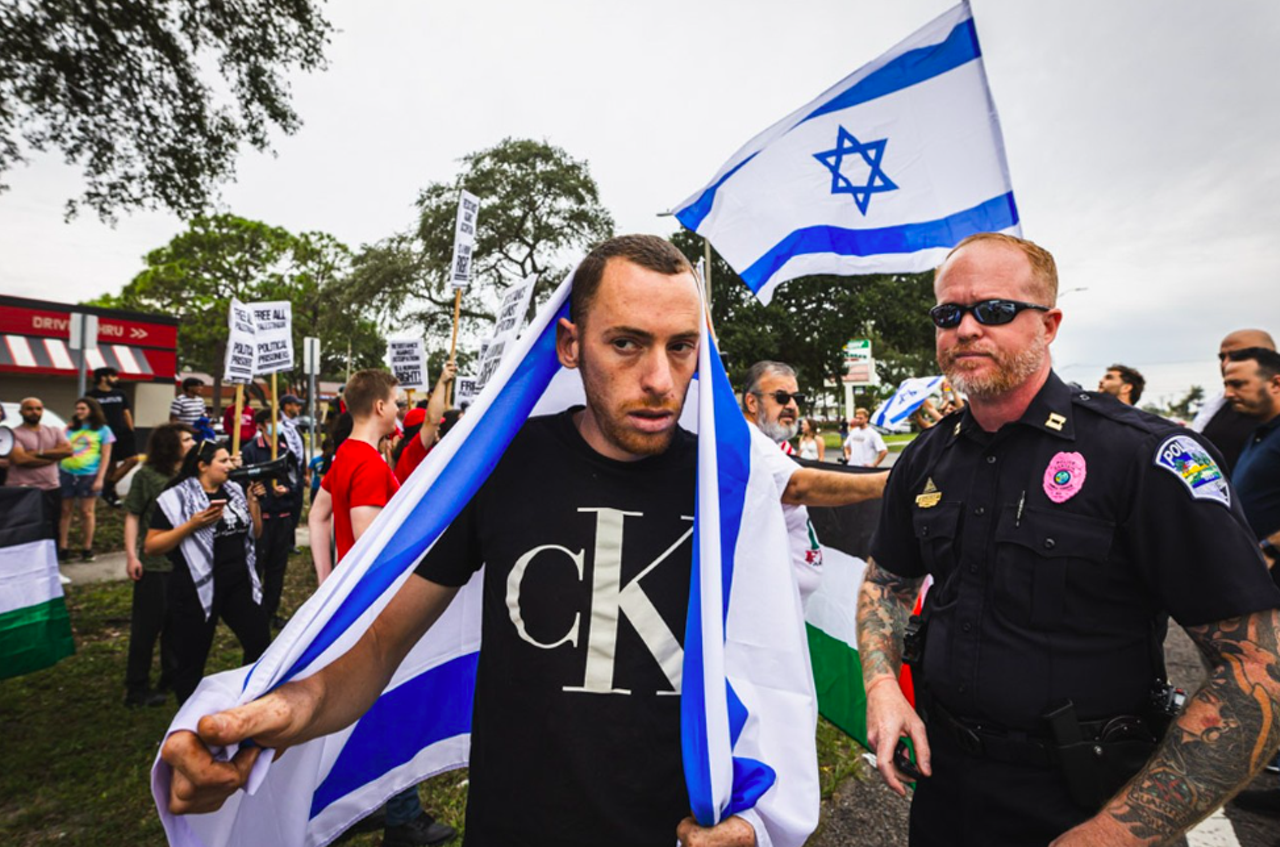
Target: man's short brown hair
(1132, 378)
(1044, 271)
(647, 251)
(366, 388)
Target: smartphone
(902, 761)
(217, 504)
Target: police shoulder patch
(1190, 462)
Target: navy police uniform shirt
(1057, 544)
(1257, 478)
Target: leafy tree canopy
(195, 276)
(118, 88)
(809, 320)
(536, 204)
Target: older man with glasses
(771, 401)
(1061, 529)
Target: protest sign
(274, 336)
(464, 239)
(407, 359)
(467, 389)
(515, 303)
(241, 345)
(491, 359)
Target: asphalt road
(864, 813)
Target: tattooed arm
(1228, 731)
(884, 604)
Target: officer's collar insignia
(1064, 477)
(930, 496)
(1190, 462)
(1055, 421)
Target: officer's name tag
(1190, 462)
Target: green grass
(77, 763)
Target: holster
(1095, 769)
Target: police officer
(1061, 528)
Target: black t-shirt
(114, 404)
(576, 730)
(228, 534)
(1057, 544)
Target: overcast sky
(1141, 137)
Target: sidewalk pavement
(110, 567)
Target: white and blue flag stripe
(910, 396)
(748, 710)
(882, 173)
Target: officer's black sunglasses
(985, 312)
(784, 397)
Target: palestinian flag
(831, 613)
(35, 631)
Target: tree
(536, 204)
(117, 87)
(809, 320)
(197, 273)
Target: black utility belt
(1019, 748)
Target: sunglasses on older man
(782, 398)
(985, 312)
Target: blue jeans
(404, 807)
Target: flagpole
(706, 267)
(235, 427)
(275, 418)
(453, 345)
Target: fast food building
(36, 358)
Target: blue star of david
(871, 152)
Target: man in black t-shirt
(585, 531)
(115, 405)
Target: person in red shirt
(356, 488)
(415, 446)
(248, 429)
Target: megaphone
(6, 442)
(276, 469)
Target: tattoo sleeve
(884, 604)
(1226, 734)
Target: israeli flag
(910, 396)
(748, 706)
(883, 173)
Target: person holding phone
(208, 526)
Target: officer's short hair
(647, 251)
(1044, 270)
(1268, 360)
(759, 371)
(1131, 378)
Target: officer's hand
(730, 832)
(201, 783)
(889, 718)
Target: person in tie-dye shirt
(83, 473)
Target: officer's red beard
(1005, 371)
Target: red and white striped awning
(28, 354)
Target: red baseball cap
(414, 417)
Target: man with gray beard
(771, 402)
(1061, 529)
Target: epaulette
(1107, 406)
